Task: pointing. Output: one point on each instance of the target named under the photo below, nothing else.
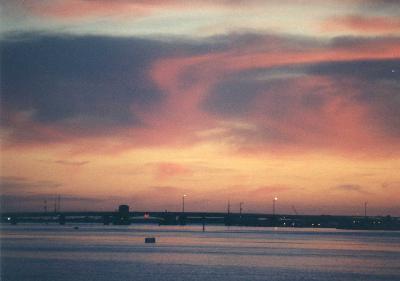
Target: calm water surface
(38, 252)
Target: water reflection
(302, 250)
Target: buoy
(150, 240)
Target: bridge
(125, 217)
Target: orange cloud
(271, 190)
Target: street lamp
(273, 205)
(183, 203)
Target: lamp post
(273, 205)
(183, 203)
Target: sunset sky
(139, 102)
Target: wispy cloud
(36, 202)
(168, 170)
(351, 188)
(72, 163)
(10, 185)
(394, 186)
(274, 189)
(363, 24)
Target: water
(53, 252)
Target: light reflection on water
(233, 253)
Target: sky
(140, 102)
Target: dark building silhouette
(122, 216)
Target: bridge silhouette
(125, 217)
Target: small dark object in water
(149, 240)
(76, 227)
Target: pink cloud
(169, 170)
(362, 24)
(84, 9)
(81, 9)
(340, 124)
